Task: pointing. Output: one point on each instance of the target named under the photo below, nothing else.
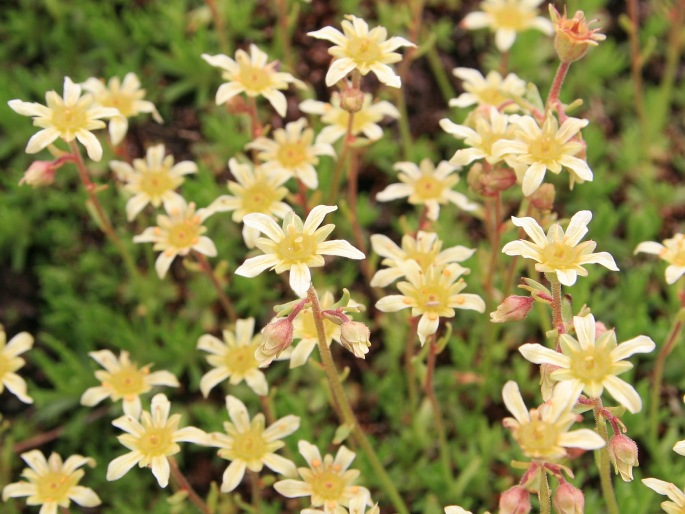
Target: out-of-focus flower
(11, 362)
(125, 96)
(250, 74)
(52, 483)
(490, 91)
(124, 380)
(568, 499)
(296, 246)
(559, 252)
(39, 174)
(362, 49)
(677, 505)
(69, 117)
(573, 36)
(515, 500)
(593, 362)
(513, 308)
(672, 251)
(152, 180)
(507, 17)
(249, 445)
(623, 455)
(427, 185)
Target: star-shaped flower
(672, 251)
(559, 252)
(11, 362)
(490, 91)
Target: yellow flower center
(155, 441)
(546, 149)
(432, 298)
(254, 78)
(559, 255)
(363, 50)
(491, 95)
(327, 482)
(68, 118)
(428, 188)
(155, 183)
(291, 155)
(424, 259)
(510, 16)
(591, 365)
(247, 446)
(54, 486)
(241, 359)
(122, 102)
(259, 197)
(184, 234)
(296, 247)
(129, 381)
(538, 437)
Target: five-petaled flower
(559, 252)
(593, 362)
(53, 483)
(672, 251)
(11, 362)
(249, 445)
(362, 49)
(69, 117)
(296, 247)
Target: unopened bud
(568, 499)
(623, 455)
(543, 198)
(277, 336)
(354, 336)
(39, 174)
(515, 500)
(573, 35)
(498, 180)
(513, 308)
(352, 99)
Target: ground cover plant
(353, 257)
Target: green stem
(223, 299)
(557, 318)
(284, 33)
(437, 412)
(544, 494)
(409, 345)
(184, 485)
(347, 414)
(337, 172)
(219, 26)
(494, 208)
(441, 77)
(602, 455)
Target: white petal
(257, 382)
(623, 393)
(584, 438)
(282, 428)
(255, 265)
(577, 227)
(673, 273)
(94, 395)
(42, 139)
(161, 470)
(316, 217)
(293, 488)
(511, 395)
(300, 279)
(121, 465)
(213, 377)
(84, 496)
(264, 224)
(532, 228)
(91, 143)
(639, 344)
(504, 38)
(233, 476)
(280, 465)
(538, 354)
(649, 247)
(339, 247)
(238, 413)
(310, 452)
(163, 263)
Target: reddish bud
(513, 308)
(623, 455)
(543, 198)
(515, 500)
(352, 99)
(568, 499)
(39, 174)
(277, 336)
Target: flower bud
(354, 336)
(39, 174)
(515, 500)
(623, 455)
(513, 308)
(543, 198)
(277, 336)
(352, 99)
(498, 180)
(573, 36)
(568, 499)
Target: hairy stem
(559, 77)
(544, 494)
(602, 456)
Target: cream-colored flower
(488, 130)
(124, 380)
(672, 251)
(593, 362)
(543, 433)
(679, 447)
(365, 120)
(248, 445)
(177, 233)
(535, 149)
(255, 191)
(69, 117)
(233, 358)
(293, 152)
(151, 440)
(152, 180)
(425, 249)
(431, 294)
(252, 75)
(11, 362)
(125, 96)
(362, 49)
(296, 247)
(52, 483)
(507, 17)
(491, 90)
(559, 252)
(427, 185)
(327, 480)
(677, 496)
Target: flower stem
(544, 494)
(283, 33)
(602, 456)
(557, 318)
(223, 299)
(495, 208)
(184, 485)
(553, 96)
(347, 414)
(255, 491)
(219, 26)
(337, 172)
(409, 345)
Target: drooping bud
(354, 336)
(568, 499)
(39, 174)
(277, 336)
(623, 455)
(515, 500)
(573, 36)
(513, 308)
(543, 198)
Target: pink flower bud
(513, 308)
(277, 336)
(354, 336)
(543, 198)
(568, 499)
(623, 455)
(352, 99)
(39, 174)
(515, 500)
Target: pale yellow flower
(593, 362)
(124, 380)
(431, 294)
(52, 483)
(358, 505)
(293, 152)
(250, 74)
(506, 18)
(362, 49)
(11, 362)
(249, 445)
(427, 185)
(125, 96)
(677, 496)
(543, 433)
(177, 233)
(233, 358)
(151, 440)
(489, 91)
(296, 247)
(152, 180)
(327, 481)
(69, 117)
(559, 252)
(365, 120)
(535, 149)
(672, 251)
(425, 249)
